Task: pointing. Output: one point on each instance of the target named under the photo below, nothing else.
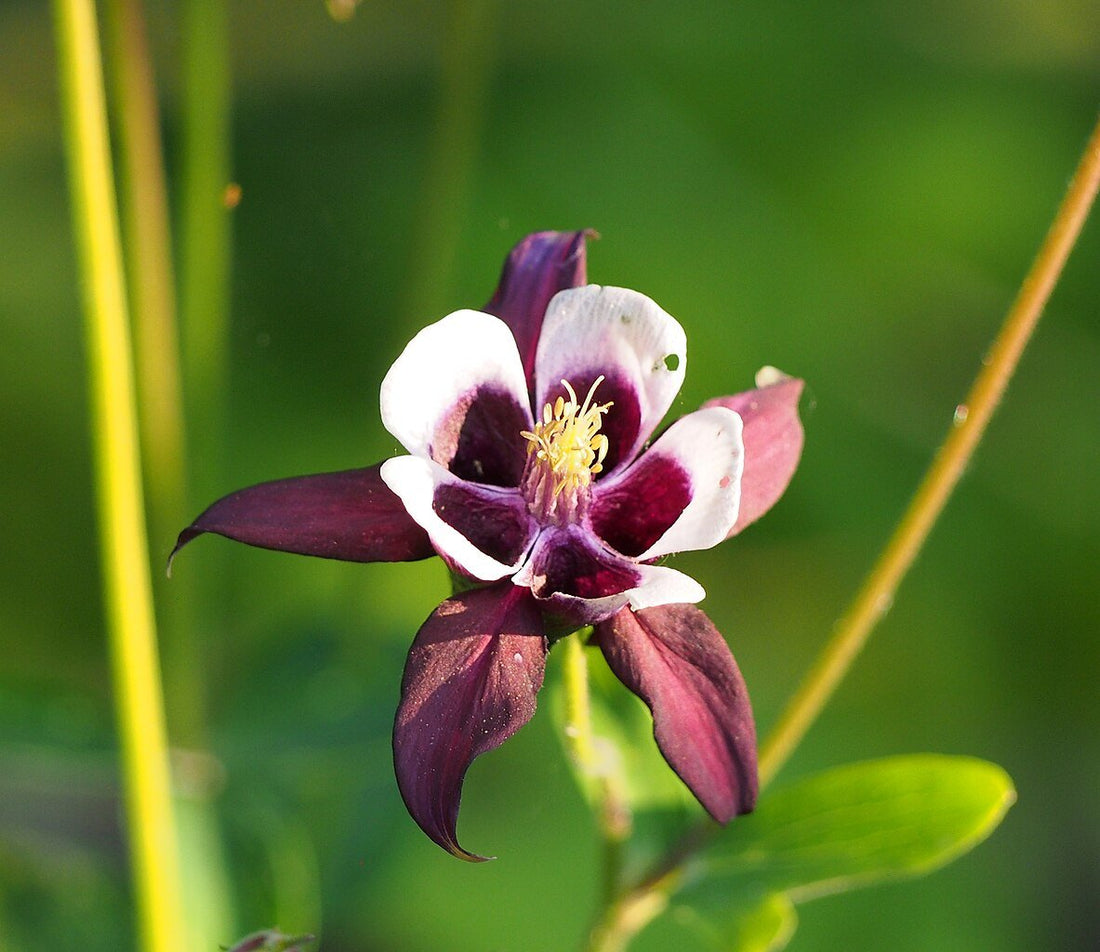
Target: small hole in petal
(672, 361)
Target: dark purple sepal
(350, 515)
(535, 270)
(676, 661)
(773, 439)
(470, 683)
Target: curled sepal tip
(350, 515)
(470, 683)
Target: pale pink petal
(773, 440)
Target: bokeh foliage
(849, 191)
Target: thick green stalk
(152, 297)
(127, 590)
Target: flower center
(565, 450)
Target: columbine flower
(529, 473)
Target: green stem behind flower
(612, 814)
(637, 906)
(127, 589)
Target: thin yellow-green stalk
(971, 418)
(635, 907)
(127, 592)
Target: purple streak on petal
(496, 521)
(536, 269)
(676, 661)
(479, 440)
(350, 515)
(470, 683)
(773, 444)
(573, 562)
(634, 511)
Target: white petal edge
(664, 586)
(706, 443)
(659, 585)
(596, 330)
(413, 480)
(444, 361)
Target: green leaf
(862, 823)
(765, 926)
(762, 923)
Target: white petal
(707, 444)
(594, 330)
(664, 586)
(414, 480)
(443, 364)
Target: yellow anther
(567, 440)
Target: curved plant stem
(127, 590)
(971, 418)
(638, 905)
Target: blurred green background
(849, 191)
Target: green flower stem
(146, 234)
(152, 296)
(612, 815)
(971, 418)
(127, 590)
(638, 905)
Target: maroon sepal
(351, 515)
(535, 270)
(470, 683)
(773, 444)
(676, 661)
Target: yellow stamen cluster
(567, 440)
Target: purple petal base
(634, 511)
(676, 661)
(350, 515)
(470, 683)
